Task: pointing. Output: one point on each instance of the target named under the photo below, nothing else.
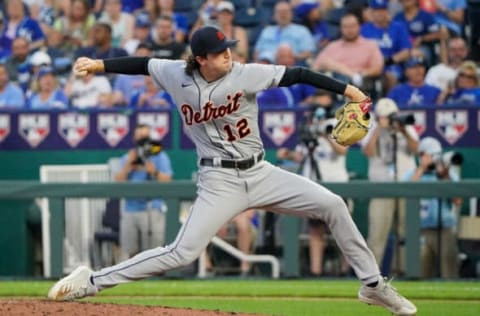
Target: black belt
(233, 164)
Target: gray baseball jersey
(218, 116)
(221, 118)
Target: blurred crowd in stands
(416, 52)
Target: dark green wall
(16, 238)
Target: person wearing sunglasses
(465, 89)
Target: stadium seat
(183, 6)
(248, 17)
(240, 4)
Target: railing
(177, 191)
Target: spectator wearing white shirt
(443, 74)
(89, 91)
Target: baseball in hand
(82, 66)
(81, 73)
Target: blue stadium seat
(269, 3)
(240, 4)
(183, 6)
(191, 17)
(333, 16)
(248, 17)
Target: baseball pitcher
(217, 101)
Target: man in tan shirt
(352, 57)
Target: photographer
(320, 159)
(437, 216)
(142, 222)
(390, 146)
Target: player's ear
(201, 60)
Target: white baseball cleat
(75, 285)
(387, 296)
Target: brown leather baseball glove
(353, 122)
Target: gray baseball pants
(223, 193)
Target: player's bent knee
(184, 256)
(336, 208)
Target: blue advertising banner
(79, 130)
(452, 126)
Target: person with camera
(142, 222)
(320, 158)
(438, 218)
(390, 147)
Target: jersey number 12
(242, 129)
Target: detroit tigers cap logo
(4, 126)
(113, 127)
(451, 124)
(73, 127)
(278, 126)
(34, 128)
(220, 36)
(159, 123)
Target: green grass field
(267, 297)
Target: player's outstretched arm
(295, 75)
(120, 65)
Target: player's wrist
(98, 66)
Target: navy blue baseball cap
(142, 20)
(414, 61)
(209, 39)
(303, 9)
(45, 71)
(378, 4)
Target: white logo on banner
(112, 127)
(34, 128)
(4, 127)
(451, 124)
(420, 124)
(279, 126)
(73, 127)
(159, 124)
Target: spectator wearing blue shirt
(415, 92)
(311, 16)
(20, 25)
(126, 87)
(465, 90)
(451, 14)
(437, 215)
(11, 96)
(423, 29)
(130, 6)
(49, 95)
(142, 222)
(152, 96)
(291, 96)
(393, 39)
(297, 36)
(4, 41)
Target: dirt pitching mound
(30, 307)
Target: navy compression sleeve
(294, 75)
(127, 65)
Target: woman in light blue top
(49, 96)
